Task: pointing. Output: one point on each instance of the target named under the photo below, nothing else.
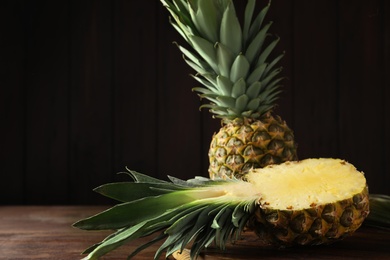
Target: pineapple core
(301, 185)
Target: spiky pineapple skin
(243, 144)
(322, 224)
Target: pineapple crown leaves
(379, 211)
(178, 211)
(231, 61)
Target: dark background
(89, 87)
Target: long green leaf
(239, 88)
(379, 211)
(120, 239)
(241, 103)
(210, 85)
(264, 55)
(205, 19)
(254, 90)
(129, 191)
(240, 68)
(224, 85)
(257, 73)
(257, 23)
(206, 50)
(230, 31)
(249, 9)
(140, 177)
(193, 57)
(134, 212)
(158, 238)
(255, 46)
(225, 58)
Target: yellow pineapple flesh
(313, 201)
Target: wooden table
(45, 232)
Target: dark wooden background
(89, 87)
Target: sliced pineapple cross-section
(309, 202)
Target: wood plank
(386, 97)
(46, 90)
(315, 78)
(178, 117)
(45, 232)
(281, 14)
(135, 92)
(91, 99)
(361, 88)
(76, 113)
(12, 101)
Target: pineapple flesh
(328, 201)
(308, 202)
(240, 79)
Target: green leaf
(185, 221)
(239, 88)
(179, 182)
(226, 101)
(255, 46)
(253, 104)
(210, 85)
(129, 191)
(140, 177)
(270, 77)
(206, 91)
(205, 20)
(264, 55)
(240, 68)
(230, 31)
(182, 31)
(257, 73)
(203, 221)
(272, 65)
(134, 212)
(379, 211)
(116, 241)
(254, 90)
(249, 9)
(241, 103)
(171, 241)
(194, 58)
(257, 23)
(225, 58)
(181, 15)
(220, 217)
(200, 70)
(158, 238)
(224, 85)
(203, 239)
(206, 50)
(91, 248)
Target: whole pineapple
(240, 81)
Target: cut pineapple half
(300, 185)
(313, 201)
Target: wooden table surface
(45, 232)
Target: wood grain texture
(90, 87)
(360, 68)
(45, 232)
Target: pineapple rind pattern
(241, 145)
(322, 224)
